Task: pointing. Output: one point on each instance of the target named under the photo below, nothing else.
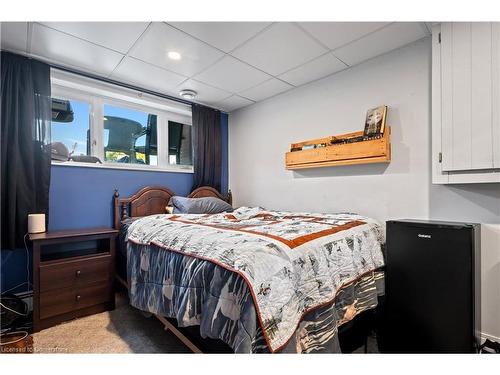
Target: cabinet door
(481, 96)
(468, 67)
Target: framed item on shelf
(375, 121)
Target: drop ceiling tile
(265, 90)
(147, 76)
(313, 70)
(161, 38)
(337, 34)
(118, 36)
(68, 50)
(232, 75)
(281, 47)
(384, 40)
(233, 102)
(205, 93)
(223, 35)
(14, 36)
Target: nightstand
(73, 274)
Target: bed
(260, 281)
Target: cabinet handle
(78, 298)
(78, 273)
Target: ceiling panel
(336, 34)
(233, 102)
(232, 75)
(68, 50)
(205, 93)
(146, 75)
(313, 70)
(223, 35)
(281, 47)
(266, 89)
(161, 38)
(384, 40)
(14, 36)
(118, 36)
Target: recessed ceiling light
(188, 94)
(174, 55)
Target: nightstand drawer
(62, 301)
(75, 273)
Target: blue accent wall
(82, 197)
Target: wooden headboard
(152, 200)
(149, 200)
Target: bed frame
(152, 200)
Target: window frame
(97, 95)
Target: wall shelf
(363, 152)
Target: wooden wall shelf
(363, 152)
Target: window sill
(125, 167)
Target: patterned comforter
(259, 280)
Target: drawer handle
(78, 273)
(78, 297)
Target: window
(179, 144)
(111, 127)
(70, 129)
(130, 136)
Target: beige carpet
(124, 330)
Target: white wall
(259, 136)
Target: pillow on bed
(207, 205)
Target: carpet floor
(123, 330)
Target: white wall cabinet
(466, 102)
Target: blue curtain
(25, 144)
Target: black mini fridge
(432, 302)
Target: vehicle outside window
(70, 129)
(94, 125)
(130, 136)
(180, 150)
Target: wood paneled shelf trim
(363, 152)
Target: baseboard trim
(485, 336)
